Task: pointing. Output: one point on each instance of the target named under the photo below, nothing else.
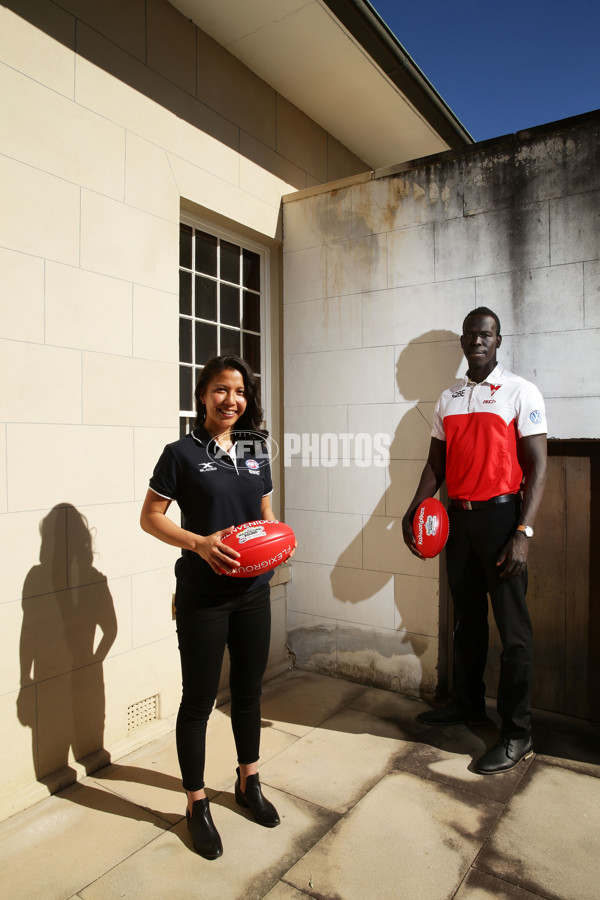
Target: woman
(218, 485)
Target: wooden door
(562, 579)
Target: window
(221, 307)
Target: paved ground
(373, 805)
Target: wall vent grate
(143, 712)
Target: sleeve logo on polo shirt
(536, 417)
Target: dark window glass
(252, 351)
(251, 270)
(185, 246)
(185, 340)
(219, 306)
(230, 342)
(206, 342)
(185, 387)
(251, 316)
(230, 305)
(230, 262)
(185, 293)
(206, 253)
(206, 299)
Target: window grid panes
(220, 299)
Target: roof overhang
(337, 61)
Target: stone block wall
(379, 272)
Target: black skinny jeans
(476, 538)
(205, 625)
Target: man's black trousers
(474, 545)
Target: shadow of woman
(420, 383)
(69, 626)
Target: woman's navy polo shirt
(213, 492)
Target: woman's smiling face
(225, 401)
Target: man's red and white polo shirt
(481, 425)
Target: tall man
(489, 444)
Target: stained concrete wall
(379, 273)
(114, 116)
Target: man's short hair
(483, 311)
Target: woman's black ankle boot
(252, 798)
(205, 837)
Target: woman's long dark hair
(252, 418)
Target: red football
(262, 545)
(430, 527)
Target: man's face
(479, 342)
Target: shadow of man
(425, 367)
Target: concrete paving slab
(408, 837)
(393, 708)
(480, 886)
(302, 700)
(457, 769)
(283, 891)
(150, 776)
(388, 703)
(221, 755)
(445, 754)
(418, 823)
(253, 861)
(60, 845)
(336, 764)
(548, 840)
(562, 757)
(473, 740)
(404, 710)
(452, 738)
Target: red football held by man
(430, 527)
(262, 545)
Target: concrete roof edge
(497, 142)
(511, 139)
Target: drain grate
(142, 712)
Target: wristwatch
(526, 529)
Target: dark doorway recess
(564, 574)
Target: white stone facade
(115, 117)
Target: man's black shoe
(452, 715)
(506, 754)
